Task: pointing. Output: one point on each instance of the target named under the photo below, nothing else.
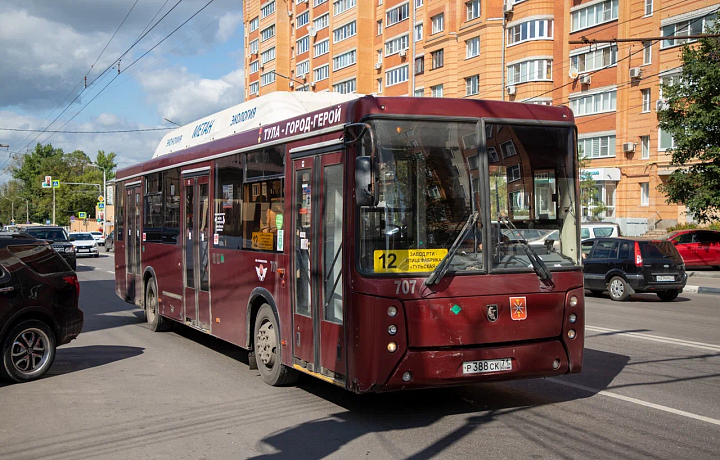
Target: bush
(715, 226)
(682, 227)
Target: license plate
(489, 365)
(666, 278)
(83, 250)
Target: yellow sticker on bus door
(263, 241)
(407, 260)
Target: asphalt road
(649, 389)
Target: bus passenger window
(228, 224)
(153, 216)
(264, 201)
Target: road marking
(111, 272)
(656, 338)
(639, 402)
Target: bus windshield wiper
(537, 263)
(442, 268)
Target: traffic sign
(101, 205)
(101, 198)
(72, 218)
(47, 221)
(48, 181)
(82, 215)
(56, 184)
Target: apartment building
(516, 50)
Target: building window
(418, 32)
(534, 70)
(648, 7)
(665, 140)
(418, 3)
(646, 100)
(344, 32)
(267, 56)
(647, 52)
(318, 2)
(254, 66)
(254, 24)
(267, 9)
(593, 15)
(379, 27)
(302, 45)
(397, 14)
(396, 45)
(508, 149)
(419, 65)
(267, 33)
(644, 194)
(321, 73)
(438, 58)
(344, 60)
(539, 29)
(254, 46)
(419, 92)
(438, 23)
(594, 59)
(302, 68)
(594, 103)
(472, 85)
(341, 6)
(379, 85)
(645, 147)
(684, 28)
(492, 155)
(303, 88)
(254, 88)
(321, 48)
(472, 47)
(302, 19)
(345, 87)
(267, 78)
(396, 76)
(436, 91)
(597, 147)
(321, 22)
(473, 9)
(380, 56)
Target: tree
(107, 162)
(691, 117)
(588, 192)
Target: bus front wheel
(268, 353)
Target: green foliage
(588, 192)
(692, 118)
(682, 227)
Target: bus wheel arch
(258, 297)
(268, 348)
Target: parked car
(58, 239)
(599, 230)
(38, 306)
(85, 244)
(623, 266)
(99, 238)
(698, 248)
(110, 242)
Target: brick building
(515, 50)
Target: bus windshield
(429, 184)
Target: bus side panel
(165, 261)
(232, 279)
(120, 276)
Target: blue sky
(51, 45)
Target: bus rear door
(196, 243)
(133, 205)
(318, 206)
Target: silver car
(85, 244)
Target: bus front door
(133, 243)
(318, 326)
(196, 243)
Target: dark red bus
(378, 243)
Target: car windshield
(48, 234)
(430, 176)
(96, 233)
(82, 237)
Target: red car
(698, 248)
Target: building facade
(516, 50)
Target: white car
(85, 244)
(99, 238)
(599, 230)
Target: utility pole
(53, 205)
(27, 212)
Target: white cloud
(227, 25)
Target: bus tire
(152, 314)
(267, 349)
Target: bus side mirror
(364, 195)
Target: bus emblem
(261, 272)
(492, 313)
(518, 308)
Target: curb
(715, 274)
(701, 290)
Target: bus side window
(264, 198)
(228, 223)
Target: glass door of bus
(318, 327)
(133, 243)
(196, 244)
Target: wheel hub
(266, 343)
(29, 351)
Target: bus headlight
(571, 334)
(573, 301)
(572, 318)
(392, 311)
(392, 347)
(392, 329)
(406, 377)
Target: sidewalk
(704, 273)
(702, 284)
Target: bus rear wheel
(266, 345)
(152, 314)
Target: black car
(59, 240)
(38, 306)
(110, 242)
(624, 266)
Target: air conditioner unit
(289, 13)
(585, 80)
(403, 53)
(635, 72)
(292, 83)
(507, 8)
(511, 90)
(262, 67)
(312, 83)
(628, 147)
(255, 53)
(661, 104)
(311, 31)
(378, 66)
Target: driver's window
(587, 249)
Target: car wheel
(28, 351)
(96, 255)
(618, 289)
(668, 296)
(152, 314)
(266, 345)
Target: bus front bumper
(434, 368)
